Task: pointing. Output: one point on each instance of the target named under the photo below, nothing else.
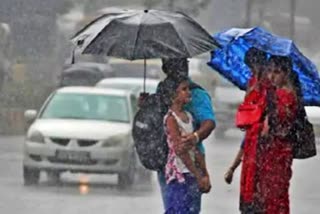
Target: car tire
(53, 177)
(126, 179)
(31, 176)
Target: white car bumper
(93, 160)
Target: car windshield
(84, 106)
(129, 86)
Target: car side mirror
(30, 115)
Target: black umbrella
(144, 34)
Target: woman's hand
(228, 176)
(141, 98)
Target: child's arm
(175, 135)
(201, 162)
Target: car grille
(65, 141)
(84, 143)
(77, 162)
(60, 141)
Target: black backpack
(148, 131)
(301, 134)
(303, 137)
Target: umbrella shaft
(144, 75)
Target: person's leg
(193, 199)
(183, 198)
(176, 195)
(163, 186)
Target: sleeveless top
(175, 167)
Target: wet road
(102, 196)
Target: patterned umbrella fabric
(228, 60)
(144, 34)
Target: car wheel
(126, 179)
(31, 176)
(53, 177)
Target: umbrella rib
(135, 41)
(181, 39)
(179, 36)
(103, 29)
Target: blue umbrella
(228, 60)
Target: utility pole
(292, 18)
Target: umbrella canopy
(228, 60)
(144, 34)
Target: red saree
(266, 166)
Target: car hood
(313, 113)
(85, 129)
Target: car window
(151, 88)
(134, 103)
(87, 107)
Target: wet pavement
(82, 194)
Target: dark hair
(175, 66)
(255, 56)
(283, 62)
(294, 79)
(169, 88)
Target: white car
(313, 113)
(133, 84)
(82, 129)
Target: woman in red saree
(256, 96)
(256, 60)
(267, 159)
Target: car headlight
(36, 137)
(114, 141)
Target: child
(186, 173)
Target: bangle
(197, 136)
